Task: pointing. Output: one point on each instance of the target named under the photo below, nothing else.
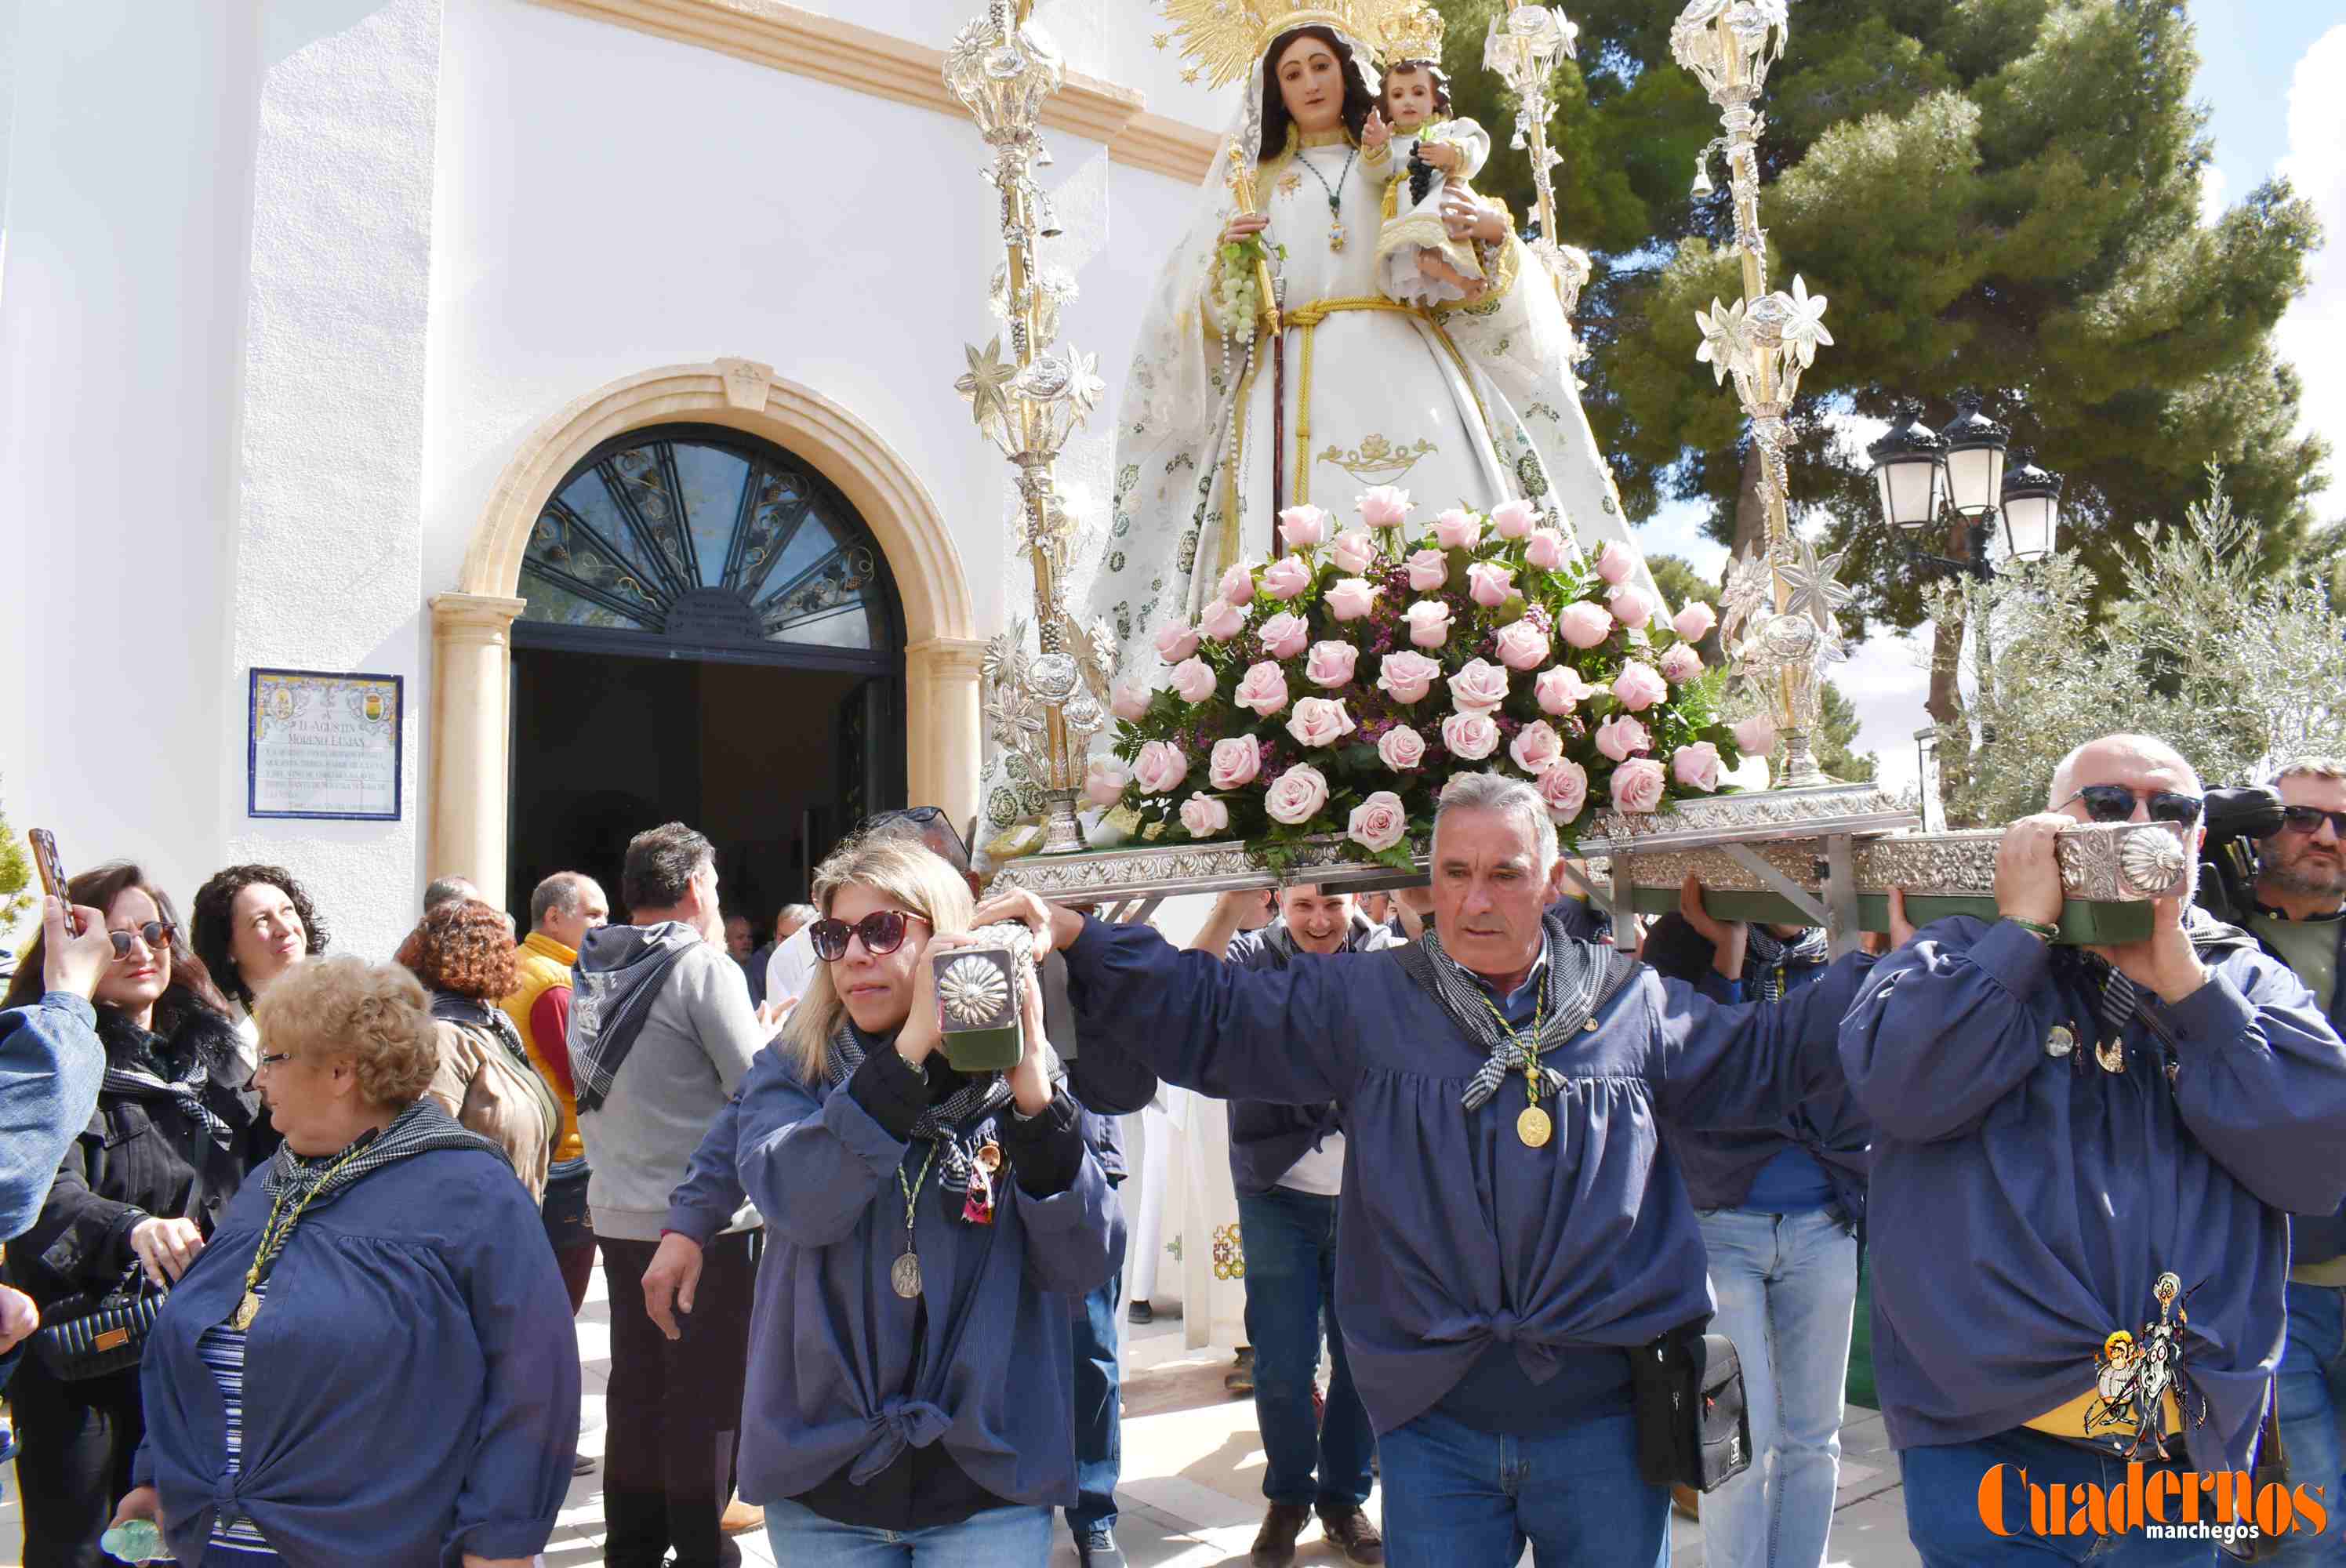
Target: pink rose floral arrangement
(1351, 675)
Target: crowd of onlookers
(294, 1239)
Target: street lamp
(1961, 467)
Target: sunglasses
(155, 933)
(882, 931)
(2116, 803)
(2309, 820)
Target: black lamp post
(1961, 468)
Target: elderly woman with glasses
(929, 1233)
(138, 1192)
(373, 1362)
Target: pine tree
(1837, 751)
(2000, 196)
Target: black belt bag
(98, 1333)
(1692, 1427)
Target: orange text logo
(2194, 1505)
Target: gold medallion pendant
(904, 1275)
(2111, 1054)
(1336, 237)
(246, 1312)
(1534, 1128)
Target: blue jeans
(1787, 1289)
(1458, 1498)
(1291, 1282)
(1942, 1506)
(1099, 1426)
(1015, 1537)
(2312, 1387)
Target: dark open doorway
(711, 637)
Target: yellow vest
(543, 964)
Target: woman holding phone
(176, 1129)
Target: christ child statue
(1418, 263)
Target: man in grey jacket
(661, 1031)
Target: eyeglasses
(2309, 820)
(923, 820)
(155, 933)
(883, 931)
(272, 1059)
(2116, 803)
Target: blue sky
(2272, 77)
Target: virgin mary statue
(1469, 404)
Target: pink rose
(1400, 748)
(1428, 570)
(1615, 561)
(1698, 767)
(1383, 506)
(1320, 722)
(1561, 689)
(1105, 780)
(1584, 626)
(1457, 529)
(1237, 585)
(1203, 816)
(1304, 525)
(1521, 646)
(1285, 577)
(1621, 737)
(1489, 583)
(1564, 788)
(1176, 640)
(1479, 687)
(1355, 551)
(1545, 549)
(1512, 519)
(1284, 635)
(1681, 664)
(1193, 681)
(1234, 762)
(1223, 621)
(1429, 622)
(1694, 622)
(1295, 796)
(1536, 747)
(1406, 677)
(1159, 769)
(1630, 605)
(1128, 703)
(1379, 822)
(1263, 689)
(1351, 598)
(1756, 737)
(1330, 664)
(1638, 686)
(1637, 785)
(1471, 736)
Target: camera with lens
(2237, 818)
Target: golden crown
(1226, 38)
(1413, 33)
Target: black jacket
(142, 1158)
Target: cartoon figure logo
(2137, 1376)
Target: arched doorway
(711, 635)
(469, 790)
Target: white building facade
(587, 365)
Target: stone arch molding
(471, 627)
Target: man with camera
(2299, 918)
(1515, 1251)
(2082, 1172)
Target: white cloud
(2312, 335)
(1887, 678)
(2214, 186)
(1675, 528)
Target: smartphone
(53, 874)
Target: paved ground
(1192, 1491)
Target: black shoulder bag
(92, 1333)
(1693, 1429)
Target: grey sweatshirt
(699, 1039)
